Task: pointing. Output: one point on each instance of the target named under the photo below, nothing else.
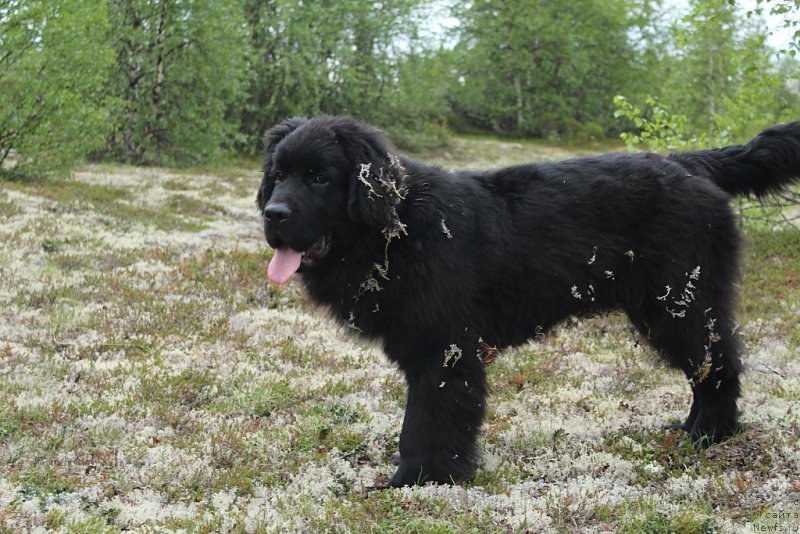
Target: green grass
(641, 517)
(771, 288)
(68, 192)
(7, 207)
(178, 212)
(484, 152)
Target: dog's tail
(767, 164)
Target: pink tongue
(283, 265)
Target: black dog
(442, 267)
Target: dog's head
(324, 178)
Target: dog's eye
(278, 176)
(321, 179)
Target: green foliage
(355, 57)
(53, 64)
(725, 75)
(724, 79)
(183, 82)
(532, 67)
(179, 70)
(657, 128)
(788, 9)
(416, 109)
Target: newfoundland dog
(442, 268)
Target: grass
(7, 207)
(151, 380)
(482, 152)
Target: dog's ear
(275, 135)
(377, 182)
(272, 137)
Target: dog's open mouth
(317, 251)
(288, 261)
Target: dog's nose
(277, 212)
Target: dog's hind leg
(715, 383)
(703, 345)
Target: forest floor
(152, 380)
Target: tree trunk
(159, 81)
(520, 102)
(132, 152)
(712, 88)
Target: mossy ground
(151, 380)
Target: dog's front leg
(444, 412)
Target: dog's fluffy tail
(767, 164)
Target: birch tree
(53, 67)
(540, 67)
(180, 68)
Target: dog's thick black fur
(440, 266)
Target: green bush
(53, 65)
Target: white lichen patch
(146, 506)
(575, 293)
(452, 355)
(446, 230)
